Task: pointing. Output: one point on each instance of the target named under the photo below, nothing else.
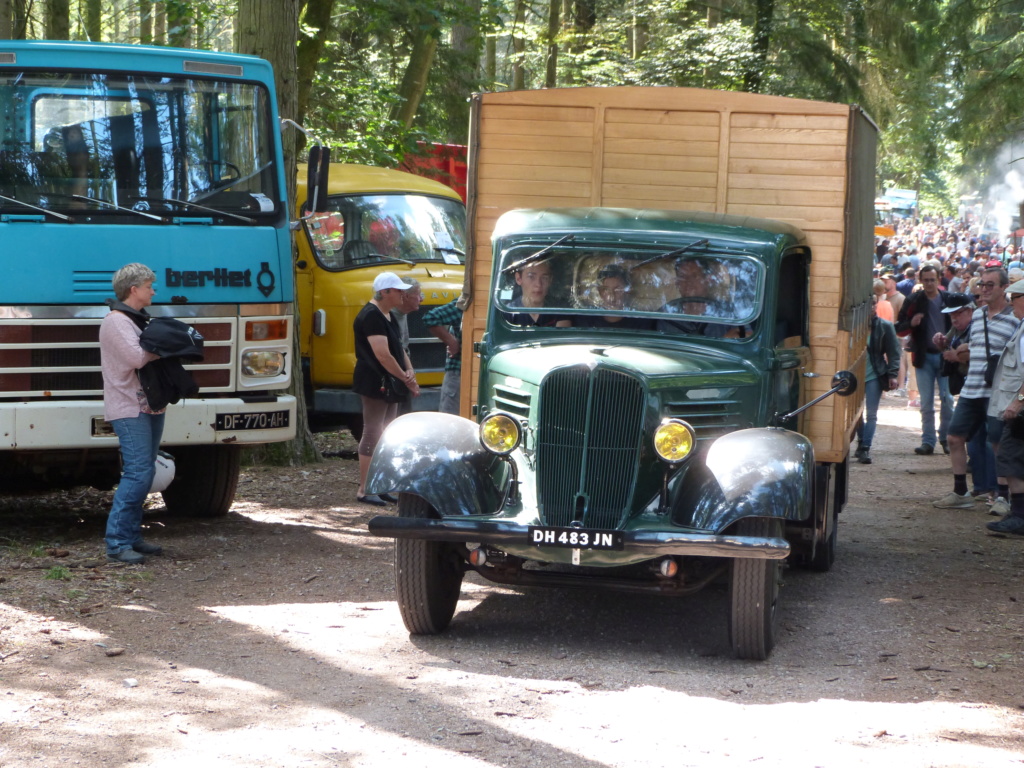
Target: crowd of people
(947, 329)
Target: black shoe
(860, 453)
(945, 446)
(388, 498)
(864, 457)
(376, 501)
(1009, 524)
(129, 556)
(147, 549)
(924, 449)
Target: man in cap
(1007, 404)
(991, 328)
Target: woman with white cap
(379, 355)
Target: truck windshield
(707, 293)
(367, 230)
(135, 141)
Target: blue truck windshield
(369, 230)
(97, 144)
(703, 293)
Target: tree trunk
(317, 16)
(94, 20)
(145, 22)
(58, 20)
(551, 61)
(179, 23)
(414, 81)
(519, 47)
(159, 24)
(764, 11)
(466, 50)
(270, 28)
(13, 19)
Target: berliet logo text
(218, 278)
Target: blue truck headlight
(674, 440)
(263, 362)
(500, 434)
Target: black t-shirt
(366, 379)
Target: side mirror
(844, 383)
(317, 172)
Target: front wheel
(754, 595)
(205, 479)
(428, 575)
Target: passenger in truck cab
(697, 280)
(612, 290)
(534, 282)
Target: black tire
(825, 551)
(754, 595)
(428, 575)
(205, 479)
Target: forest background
(941, 78)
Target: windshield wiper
(161, 219)
(536, 256)
(37, 208)
(456, 251)
(197, 206)
(677, 252)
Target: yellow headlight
(500, 434)
(674, 440)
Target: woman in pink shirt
(138, 427)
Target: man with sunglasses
(992, 326)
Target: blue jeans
(140, 440)
(927, 378)
(872, 397)
(983, 461)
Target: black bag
(990, 369)
(992, 360)
(956, 381)
(393, 389)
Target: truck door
(790, 342)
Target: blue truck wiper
(161, 219)
(197, 206)
(37, 208)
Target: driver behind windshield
(534, 282)
(697, 280)
(612, 288)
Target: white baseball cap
(386, 280)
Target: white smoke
(1004, 198)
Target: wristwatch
(1020, 397)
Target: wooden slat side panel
(662, 132)
(535, 112)
(684, 163)
(795, 152)
(659, 117)
(785, 197)
(535, 172)
(802, 183)
(792, 122)
(496, 155)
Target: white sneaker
(954, 501)
(1000, 507)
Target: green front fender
(439, 457)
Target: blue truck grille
(589, 431)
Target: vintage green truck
(653, 407)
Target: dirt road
(270, 638)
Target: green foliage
(58, 573)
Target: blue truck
(111, 154)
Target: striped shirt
(1000, 329)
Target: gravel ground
(270, 638)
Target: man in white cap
(1007, 405)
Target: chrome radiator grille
(589, 430)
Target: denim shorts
(970, 414)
